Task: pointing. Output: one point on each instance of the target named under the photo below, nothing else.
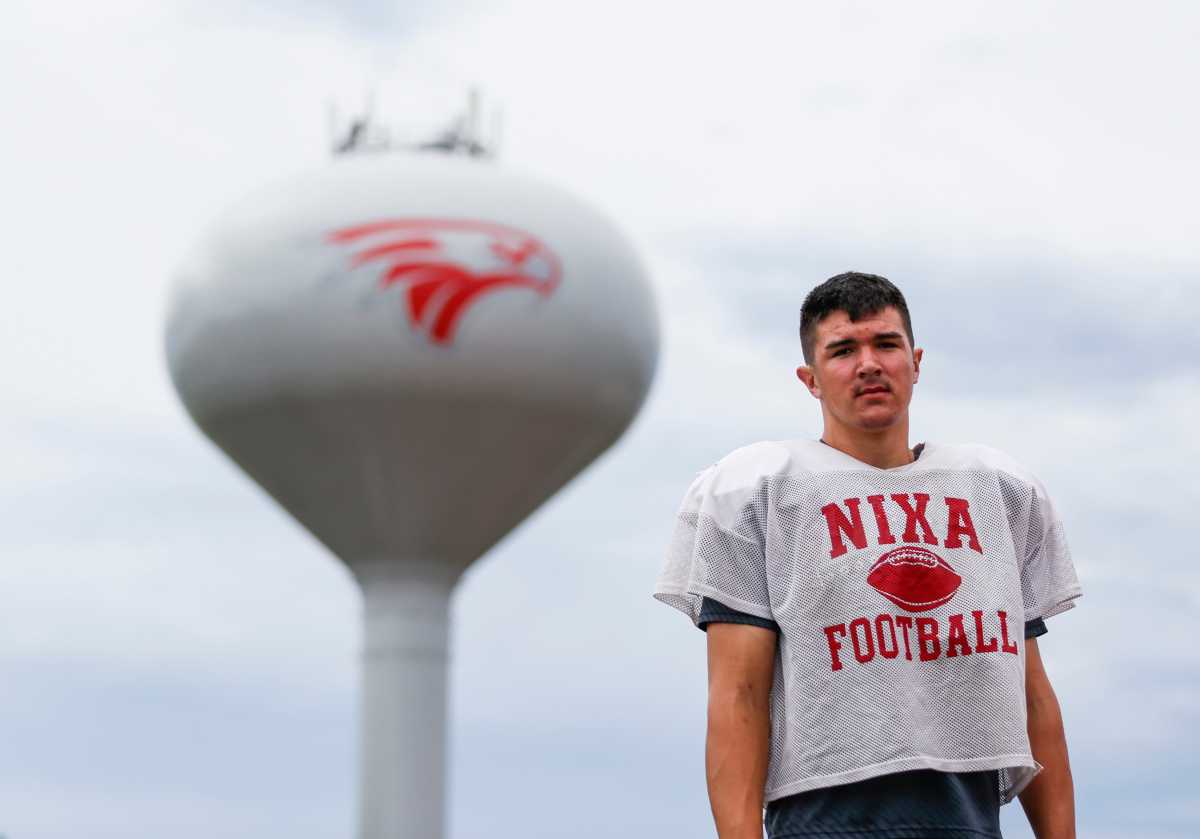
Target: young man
(864, 601)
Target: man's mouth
(867, 391)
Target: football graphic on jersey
(914, 578)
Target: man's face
(862, 371)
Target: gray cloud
(168, 751)
(590, 781)
(1023, 318)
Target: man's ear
(806, 375)
(918, 354)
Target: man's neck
(884, 450)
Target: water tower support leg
(403, 727)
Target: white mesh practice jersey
(901, 596)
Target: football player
(863, 600)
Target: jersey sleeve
(714, 611)
(1049, 585)
(717, 548)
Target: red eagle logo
(447, 264)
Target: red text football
(914, 578)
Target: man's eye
(842, 351)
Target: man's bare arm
(741, 665)
(1049, 800)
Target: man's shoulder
(752, 464)
(740, 475)
(981, 456)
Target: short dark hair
(857, 295)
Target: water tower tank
(410, 353)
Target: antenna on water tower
(463, 135)
(509, 338)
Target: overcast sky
(178, 657)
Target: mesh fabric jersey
(901, 595)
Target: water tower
(410, 350)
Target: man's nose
(868, 364)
